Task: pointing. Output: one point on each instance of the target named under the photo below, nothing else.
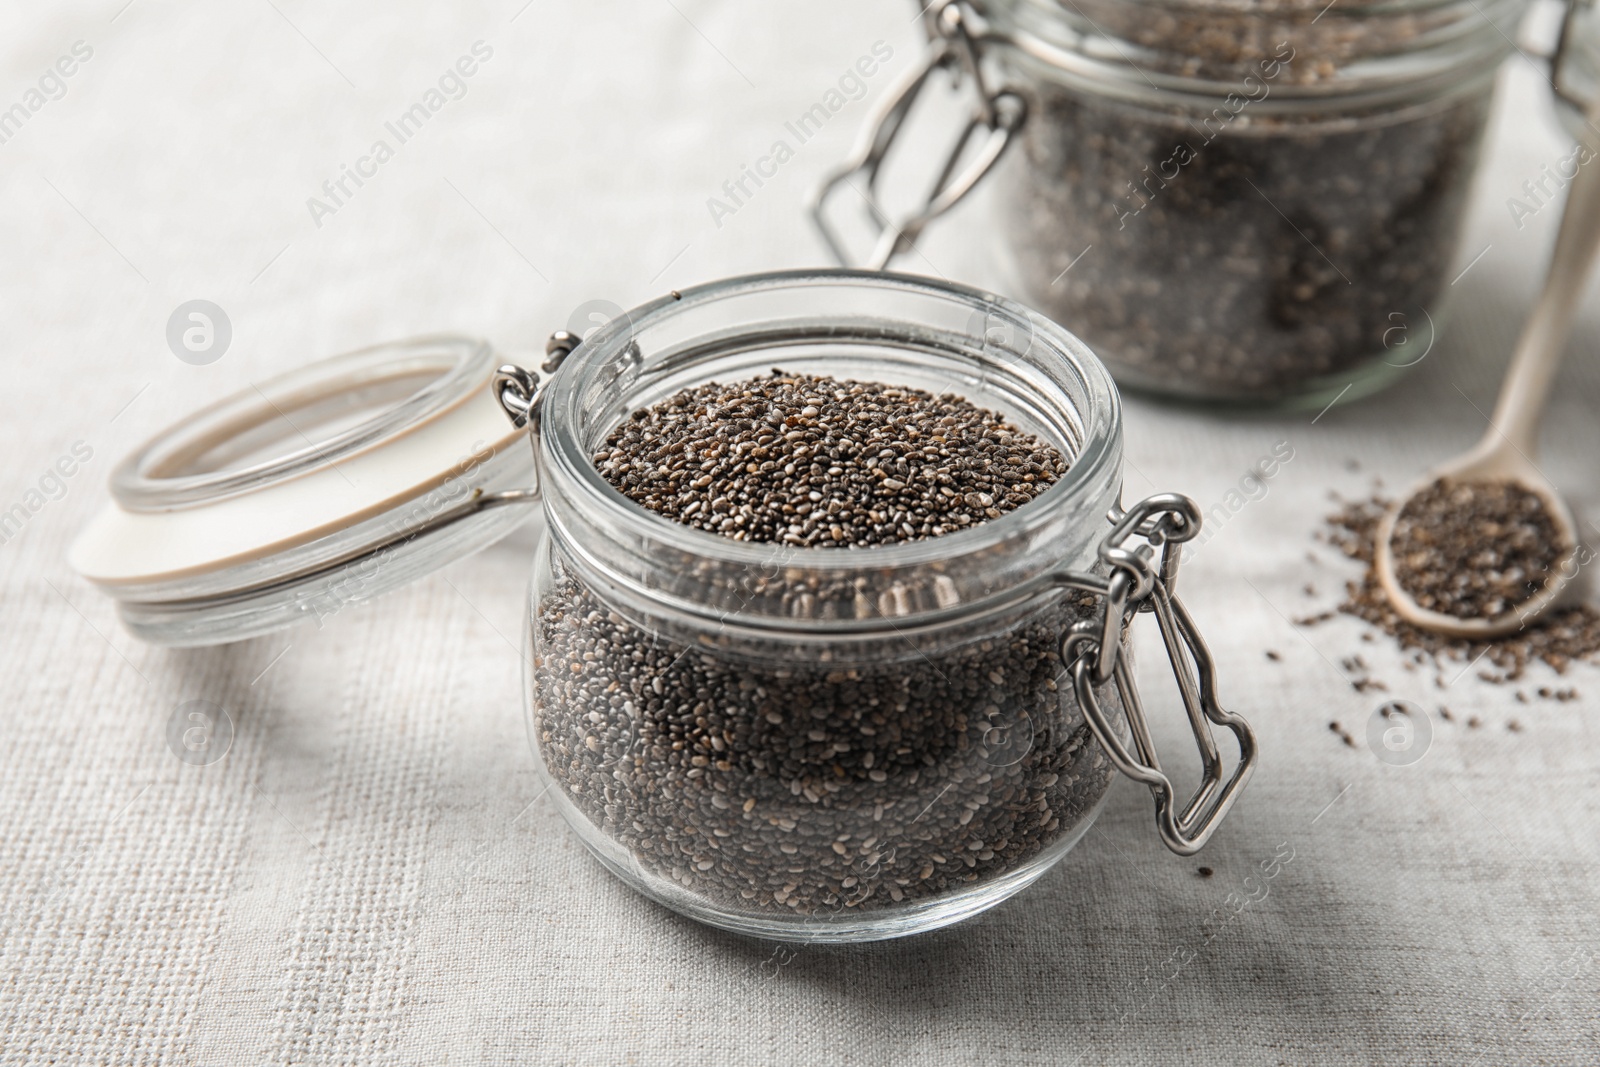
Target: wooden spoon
(1505, 454)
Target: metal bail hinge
(518, 389)
(956, 33)
(1091, 650)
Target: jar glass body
(820, 744)
(1258, 204)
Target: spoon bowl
(1495, 465)
(1512, 439)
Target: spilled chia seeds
(775, 781)
(1558, 638)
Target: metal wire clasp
(517, 388)
(1092, 652)
(996, 117)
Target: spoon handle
(1518, 412)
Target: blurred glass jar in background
(1233, 202)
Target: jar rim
(570, 470)
(1465, 42)
(176, 467)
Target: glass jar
(798, 743)
(1228, 202)
(820, 743)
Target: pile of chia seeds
(778, 781)
(1474, 550)
(815, 462)
(1225, 252)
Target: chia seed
(777, 781)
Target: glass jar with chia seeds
(781, 739)
(1226, 201)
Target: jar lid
(300, 495)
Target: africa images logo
(199, 332)
(52, 85)
(851, 86)
(51, 485)
(451, 85)
(1399, 733)
(199, 732)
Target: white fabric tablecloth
(371, 875)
